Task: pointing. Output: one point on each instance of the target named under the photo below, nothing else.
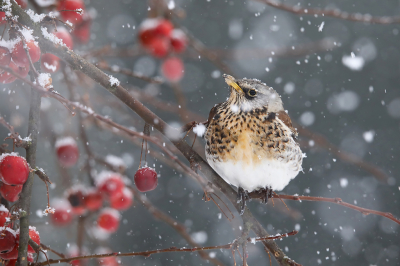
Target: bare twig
(171, 249)
(17, 141)
(335, 13)
(127, 72)
(338, 201)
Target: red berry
(109, 182)
(121, 200)
(7, 239)
(82, 32)
(178, 40)
(50, 63)
(172, 69)
(164, 28)
(93, 200)
(71, 16)
(13, 254)
(5, 56)
(65, 36)
(67, 151)
(34, 235)
(19, 55)
(62, 215)
(146, 179)
(7, 77)
(10, 193)
(147, 30)
(109, 220)
(76, 197)
(14, 169)
(4, 214)
(159, 46)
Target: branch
(171, 249)
(338, 201)
(20, 143)
(127, 72)
(334, 13)
(25, 197)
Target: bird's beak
(231, 82)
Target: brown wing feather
(284, 117)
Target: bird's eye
(252, 92)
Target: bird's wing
(284, 117)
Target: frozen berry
(19, 54)
(14, 169)
(34, 235)
(109, 182)
(71, 15)
(178, 40)
(93, 200)
(172, 69)
(4, 214)
(121, 200)
(146, 179)
(7, 239)
(10, 193)
(50, 63)
(109, 220)
(65, 36)
(62, 215)
(67, 151)
(5, 56)
(164, 28)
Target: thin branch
(127, 72)
(26, 194)
(52, 250)
(17, 140)
(171, 249)
(334, 13)
(338, 201)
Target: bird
(250, 140)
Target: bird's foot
(267, 193)
(242, 196)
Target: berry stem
(25, 198)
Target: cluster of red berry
(14, 171)
(13, 54)
(9, 239)
(158, 36)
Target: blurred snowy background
(347, 89)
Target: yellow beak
(231, 82)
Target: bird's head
(250, 94)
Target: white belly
(270, 173)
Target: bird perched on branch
(250, 140)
